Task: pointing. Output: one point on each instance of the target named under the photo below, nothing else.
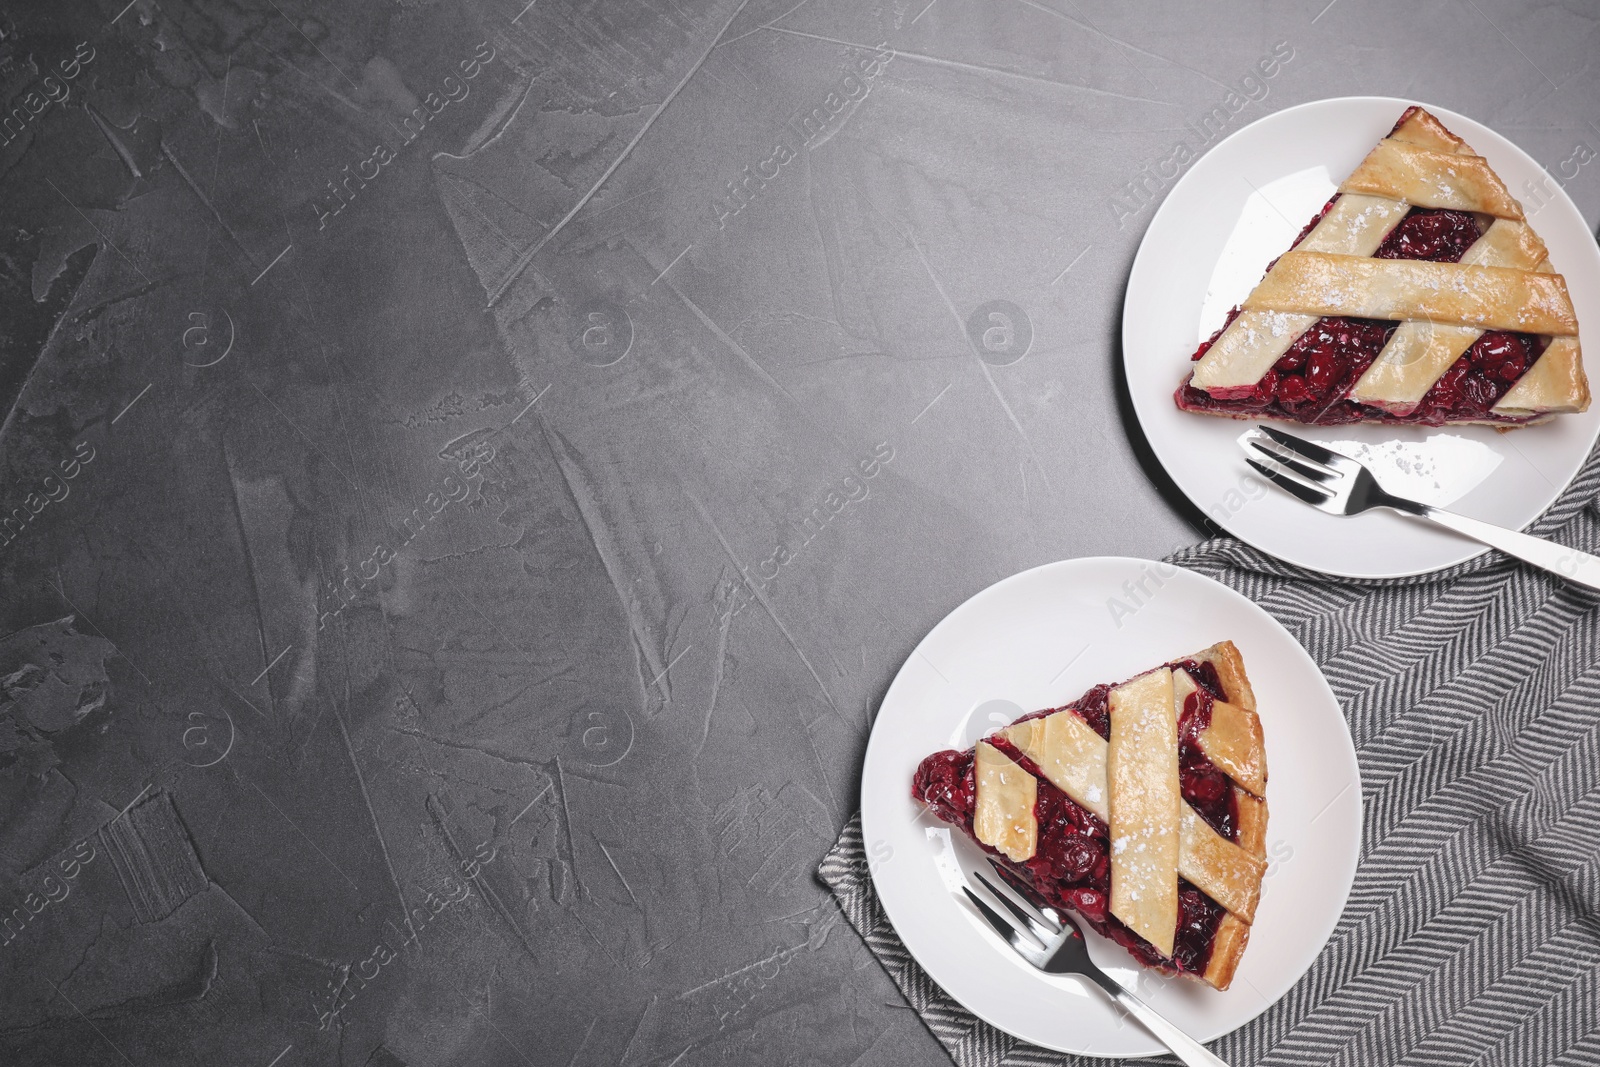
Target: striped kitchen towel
(1472, 934)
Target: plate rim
(874, 753)
(1471, 551)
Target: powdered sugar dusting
(1438, 470)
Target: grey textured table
(472, 469)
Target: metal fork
(1340, 485)
(1054, 944)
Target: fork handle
(1182, 1045)
(1577, 567)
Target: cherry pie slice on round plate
(1419, 294)
(1139, 806)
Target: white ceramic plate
(1236, 209)
(1040, 639)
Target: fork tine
(1059, 919)
(1279, 475)
(1256, 438)
(1025, 892)
(1309, 449)
(1295, 462)
(1038, 925)
(1018, 940)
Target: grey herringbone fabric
(1472, 935)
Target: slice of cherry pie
(1140, 806)
(1419, 294)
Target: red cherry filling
(1433, 234)
(1071, 867)
(1310, 380)
(1204, 675)
(945, 781)
(1094, 708)
(1478, 381)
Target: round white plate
(1237, 209)
(1040, 639)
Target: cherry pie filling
(1310, 381)
(1072, 865)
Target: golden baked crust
(1420, 351)
(1225, 658)
(1233, 932)
(1419, 127)
(1226, 951)
(1489, 298)
(1555, 383)
(1070, 754)
(1252, 824)
(1072, 757)
(1003, 817)
(1355, 226)
(1426, 178)
(1233, 738)
(1222, 870)
(1526, 418)
(1234, 743)
(1230, 874)
(1504, 282)
(1131, 781)
(1146, 805)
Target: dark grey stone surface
(455, 554)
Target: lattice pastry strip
(1421, 351)
(1074, 759)
(1503, 281)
